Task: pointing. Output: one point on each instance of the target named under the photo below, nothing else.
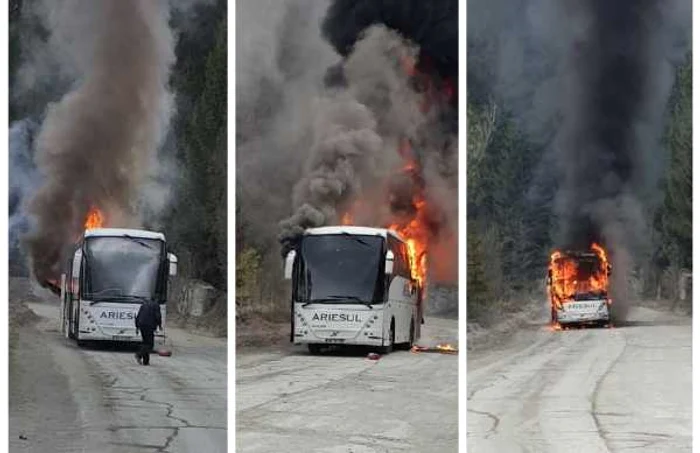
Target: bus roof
(144, 234)
(359, 230)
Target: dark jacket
(148, 317)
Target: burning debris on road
(440, 349)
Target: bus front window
(340, 268)
(122, 269)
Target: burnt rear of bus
(578, 287)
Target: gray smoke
(355, 137)
(281, 62)
(23, 181)
(591, 80)
(317, 151)
(98, 145)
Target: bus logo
(336, 317)
(117, 315)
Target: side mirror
(389, 264)
(289, 264)
(172, 265)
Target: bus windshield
(122, 269)
(580, 278)
(340, 268)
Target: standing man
(147, 320)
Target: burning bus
(353, 285)
(578, 287)
(110, 273)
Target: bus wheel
(82, 343)
(390, 347)
(315, 349)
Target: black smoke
(432, 25)
(603, 155)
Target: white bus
(353, 286)
(110, 274)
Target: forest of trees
(510, 218)
(195, 222)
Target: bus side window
(402, 268)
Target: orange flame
(565, 280)
(441, 348)
(417, 245)
(415, 230)
(94, 219)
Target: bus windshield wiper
(336, 298)
(121, 298)
(315, 301)
(138, 241)
(354, 236)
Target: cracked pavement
(68, 399)
(620, 390)
(343, 402)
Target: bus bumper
(360, 340)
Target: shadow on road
(342, 351)
(625, 324)
(653, 323)
(122, 347)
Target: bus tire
(82, 343)
(315, 349)
(392, 335)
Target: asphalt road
(344, 402)
(625, 389)
(67, 399)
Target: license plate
(334, 340)
(121, 338)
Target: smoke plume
(328, 117)
(608, 146)
(98, 145)
(590, 80)
(354, 165)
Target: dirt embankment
(21, 291)
(257, 331)
(198, 308)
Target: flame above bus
(94, 219)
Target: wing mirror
(172, 265)
(389, 263)
(289, 264)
